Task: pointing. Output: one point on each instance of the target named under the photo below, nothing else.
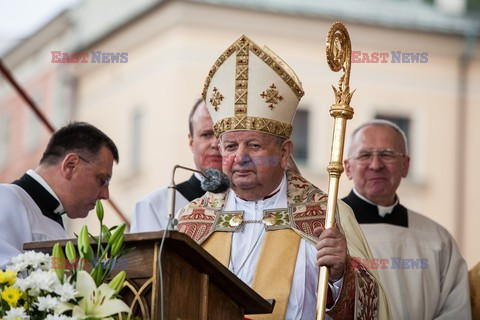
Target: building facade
(427, 82)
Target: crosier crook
(339, 53)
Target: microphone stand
(172, 222)
(170, 225)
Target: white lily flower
(96, 302)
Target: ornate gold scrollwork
(339, 52)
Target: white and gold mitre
(251, 88)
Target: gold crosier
(339, 58)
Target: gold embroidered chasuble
(474, 279)
(361, 296)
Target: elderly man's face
(377, 163)
(254, 162)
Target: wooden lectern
(195, 285)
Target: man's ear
(346, 165)
(190, 140)
(406, 166)
(287, 148)
(69, 165)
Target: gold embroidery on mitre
(271, 96)
(280, 67)
(241, 77)
(267, 55)
(227, 53)
(216, 98)
(271, 126)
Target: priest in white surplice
(74, 172)
(151, 210)
(418, 261)
(267, 227)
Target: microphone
(215, 181)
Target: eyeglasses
(386, 155)
(102, 179)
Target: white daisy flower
(31, 260)
(38, 281)
(66, 291)
(46, 303)
(16, 314)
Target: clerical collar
(199, 176)
(60, 209)
(382, 210)
(367, 213)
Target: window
(136, 142)
(300, 136)
(33, 126)
(402, 122)
(62, 100)
(32, 132)
(4, 142)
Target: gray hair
(378, 123)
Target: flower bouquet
(39, 286)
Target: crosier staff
(339, 52)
